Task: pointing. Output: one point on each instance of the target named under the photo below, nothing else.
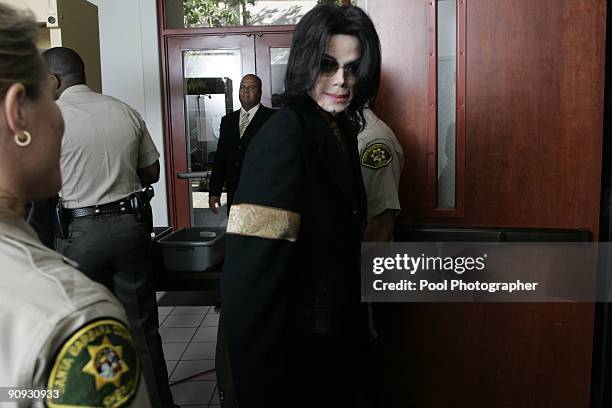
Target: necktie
(244, 122)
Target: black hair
(66, 64)
(309, 44)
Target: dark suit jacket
(231, 149)
(288, 305)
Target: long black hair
(309, 44)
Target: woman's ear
(14, 101)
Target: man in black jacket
(237, 131)
(292, 320)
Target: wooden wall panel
(535, 77)
(402, 99)
(534, 113)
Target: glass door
(204, 77)
(272, 50)
(204, 74)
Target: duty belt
(118, 207)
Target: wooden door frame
(263, 66)
(175, 46)
(164, 35)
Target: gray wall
(129, 54)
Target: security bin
(193, 248)
(160, 232)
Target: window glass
(229, 13)
(447, 101)
(278, 68)
(211, 81)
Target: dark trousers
(225, 381)
(328, 372)
(323, 371)
(114, 251)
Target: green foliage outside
(216, 13)
(223, 13)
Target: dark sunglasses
(329, 67)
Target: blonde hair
(19, 58)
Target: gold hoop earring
(23, 138)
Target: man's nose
(339, 77)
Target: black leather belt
(118, 207)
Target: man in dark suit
(237, 131)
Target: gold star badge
(106, 363)
(376, 156)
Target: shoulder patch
(97, 366)
(376, 156)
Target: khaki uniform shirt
(382, 161)
(105, 142)
(60, 330)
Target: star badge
(376, 156)
(106, 363)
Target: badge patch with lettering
(376, 156)
(97, 366)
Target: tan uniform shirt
(382, 161)
(105, 142)
(60, 330)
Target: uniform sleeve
(147, 153)
(380, 170)
(262, 229)
(91, 360)
(217, 178)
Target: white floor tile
(206, 334)
(210, 320)
(183, 320)
(170, 366)
(185, 369)
(176, 334)
(190, 310)
(193, 392)
(199, 351)
(164, 310)
(215, 398)
(210, 376)
(174, 351)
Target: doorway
(204, 73)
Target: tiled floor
(189, 335)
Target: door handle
(194, 174)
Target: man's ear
(56, 83)
(14, 102)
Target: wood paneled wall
(534, 116)
(402, 100)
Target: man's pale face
(333, 90)
(250, 92)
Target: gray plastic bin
(193, 248)
(160, 232)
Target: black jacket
(231, 149)
(279, 294)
